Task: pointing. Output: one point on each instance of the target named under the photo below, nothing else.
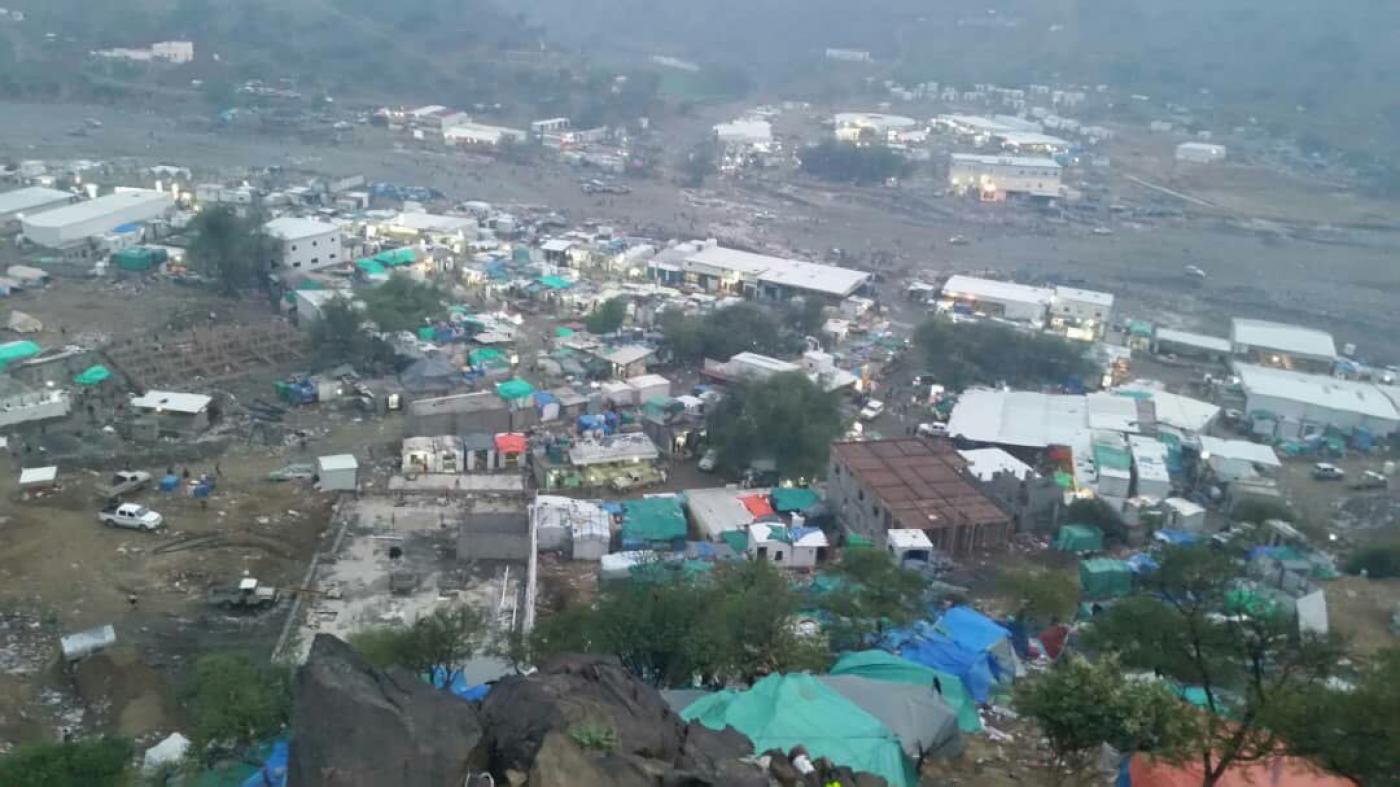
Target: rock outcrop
(358, 726)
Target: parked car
(131, 516)
(123, 482)
(708, 461)
(872, 410)
(1370, 480)
(1324, 471)
(934, 429)
(249, 594)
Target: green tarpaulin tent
(653, 520)
(396, 257)
(788, 499)
(371, 267)
(738, 540)
(93, 375)
(1079, 538)
(514, 388)
(556, 282)
(563, 332)
(427, 333)
(11, 352)
(879, 665)
(783, 711)
(482, 355)
(1102, 578)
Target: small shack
(338, 472)
(1079, 539)
(907, 545)
(175, 412)
(655, 522)
(1103, 578)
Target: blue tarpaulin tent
(273, 772)
(921, 644)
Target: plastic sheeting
(1079, 538)
(934, 650)
(887, 667)
(784, 711)
(924, 724)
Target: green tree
(343, 335)
(736, 626)
(871, 595)
(1041, 595)
(231, 249)
(439, 644)
(608, 317)
(964, 354)
(403, 303)
(236, 701)
(1353, 731)
(805, 316)
(786, 417)
(1080, 706)
(698, 164)
(1191, 625)
(97, 762)
(846, 163)
(720, 334)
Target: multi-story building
(306, 244)
(994, 178)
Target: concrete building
(747, 132)
(306, 244)
(1288, 405)
(707, 266)
(1232, 460)
(994, 178)
(1200, 152)
(908, 546)
(468, 133)
(19, 203)
(1008, 300)
(872, 126)
(338, 473)
(1282, 345)
(902, 484)
(1166, 341)
(1080, 314)
(73, 224)
(436, 454)
(175, 413)
(787, 547)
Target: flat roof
(1021, 138)
(719, 510)
(432, 222)
(1117, 413)
(97, 208)
(1243, 450)
(798, 274)
(1294, 339)
(1006, 161)
(996, 291)
(907, 538)
(985, 463)
(628, 354)
(1084, 296)
(924, 486)
(768, 362)
(1348, 396)
(334, 462)
(634, 446)
(1020, 418)
(1175, 410)
(173, 401)
(296, 228)
(1186, 338)
(879, 119)
(1149, 457)
(21, 200)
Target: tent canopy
(514, 388)
(788, 499)
(93, 375)
(1105, 578)
(1079, 538)
(555, 282)
(917, 716)
(653, 519)
(971, 629)
(879, 665)
(935, 650)
(17, 351)
(783, 711)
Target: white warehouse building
(75, 223)
(306, 244)
(16, 204)
(1200, 152)
(1005, 299)
(1293, 404)
(994, 178)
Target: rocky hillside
(580, 722)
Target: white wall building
(1200, 152)
(338, 473)
(1300, 404)
(1283, 345)
(994, 178)
(1009, 300)
(714, 268)
(856, 126)
(472, 133)
(307, 244)
(747, 132)
(73, 224)
(1081, 314)
(35, 199)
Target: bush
(964, 354)
(91, 763)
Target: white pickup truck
(123, 482)
(132, 516)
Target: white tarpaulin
(19, 322)
(167, 752)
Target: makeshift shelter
(979, 633)
(430, 375)
(93, 375)
(1103, 578)
(784, 711)
(924, 724)
(1079, 538)
(924, 646)
(789, 499)
(555, 282)
(757, 505)
(653, 521)
(12, 352)
(513, 389)
(887, 667)
(1143, 771)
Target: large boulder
(578, 695)
(358, 726)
